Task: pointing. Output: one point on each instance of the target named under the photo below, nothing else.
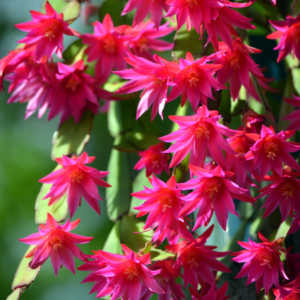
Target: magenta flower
(143, 8)
(106, 46)
(143, 38)
(253, 121)
(288, 291)
(75, 92)
(295, 226)
(294, 116)
(198, 260)
(237, 65)
(154, 160)
(271, 149)
(213, 293)
(166, 280)
(222, 25)
(288, 32)
(75, 179)
(282, 192)
(125, 275)
(97, 263)
(152, 78)
(56, 241)
(197, 134)
(45, 32)
(213, 193)
(163, 203)
(263, 264)
(195, 81)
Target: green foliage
(112, 243)
(158, 255)
(132, 234)
(71, 137)
(118, 196)
(15, 294)
(25, 275)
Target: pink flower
(97, 263)
(213, 293)
(288, 291)
(106, 46)
(237, 65)
(195, 81)
(294, 116)
(166, 280)
(222, 25)
(271, 149)
(163, 203)
(143, 38)
(75, 179)
(282, 192)
(154, 160)
(288, 32)
(197, 134)
(295, 226)
(56, 241)
(198, 260)
(143, 8)
(263, 264)
(75, 92)
(45, 31)
(125, 275)
(152, 78)
(252, 121)
(213, 192)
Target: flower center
(192, 3)
(131, 270)
(109, 44)
(142, 44)
(235, 59)
(296, 32)
(239, 144)
(265, 257)
(77, 175)
(51, 28)
(192, 76)
(155, 159)
(213, 186)
(293, 296)
(203, 130)
(72, 84)
(166, 201)
(287, 190)
(191, 259)
(56, 239)
(271, 147)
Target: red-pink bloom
(166, 280)
(213, 193)
(213, 293)
(194, 81)
(76, 179)
(106, 46)
(198, 134)
(143, 8)
(288, 291)
(294, 116)
(126, 274)
(252, 121)
(237, 65)
(163, 203)
(152, 78)
(237, 162)
(75, 92)
(282, 192)
(56, 241)
(46, 31)
(222, 25)
(288, 32)
(154, 160)
(198, 260)
(271, 150)
(97, 263)
(292, 265)
(263, 264)
(143, 38)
